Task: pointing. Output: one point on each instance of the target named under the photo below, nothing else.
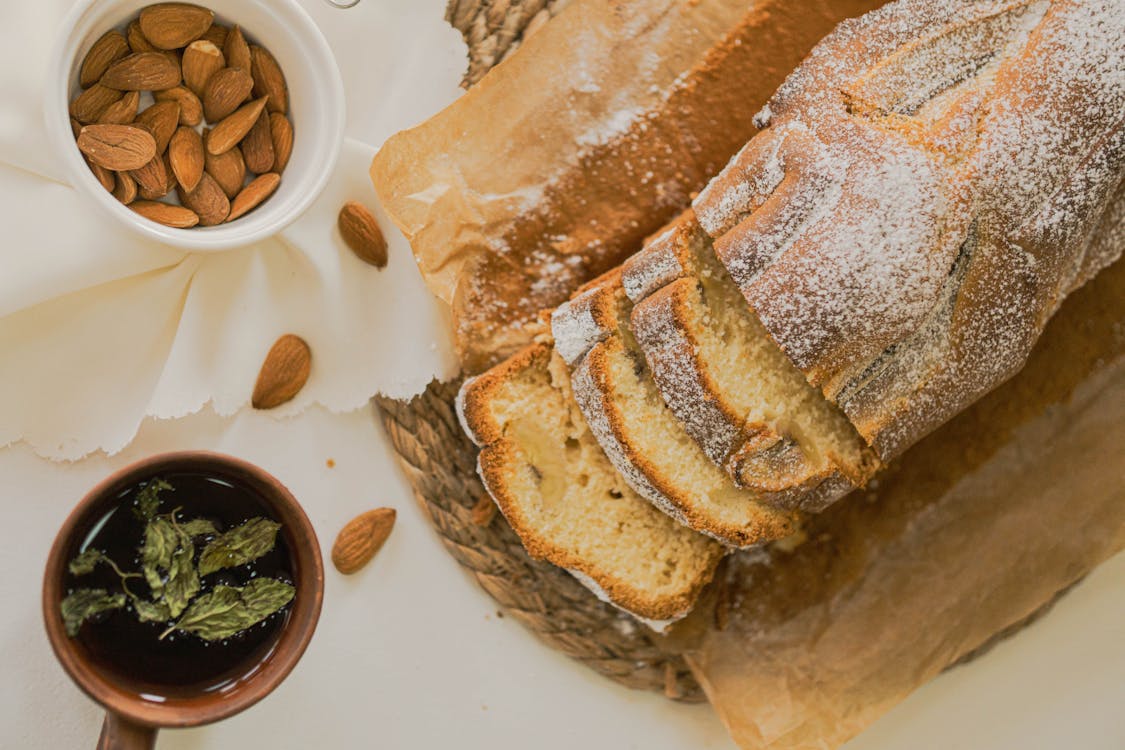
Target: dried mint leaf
(79, 606)
(198, 527)
(160, 544)
(183, 580)
(151, 611)
(228, 610)
(148, 499)
(86, 562)
(238, 546)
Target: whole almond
(361, 233)
(136, 39)
(268, 79)
(104, 176)
(217, 35)
(125, 188)
(191, 109)
(152, 179)
(236, 50)
(121, 112)
(228, 169)
(173, 25)
(361, 539)
(225, 92)
(161, 119)
(202, 59)
(117, 147)
(257, 146)
(234, 127)
(281, 132)
(207, 200)
(166, 213)
(110, 48)
(75, 127)
(91, 103)
(284, 372)
(142, 71)
(262, 187)
(185, 153)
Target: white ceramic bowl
(316, 108)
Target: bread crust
(910, 267)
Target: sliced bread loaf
(566, 502)
(737, 394)
(641, 436)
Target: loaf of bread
(929, 185)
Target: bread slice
(737, 394)
(562, 497)
(641, 436)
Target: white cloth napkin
(100, 328)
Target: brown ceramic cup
(133, 715)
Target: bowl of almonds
(204, 126)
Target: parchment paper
(972, 530)
(596, 132)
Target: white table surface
(410, 653)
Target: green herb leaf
(151, 611)
(227, 610)
(183, 580)
(81, 605)
(239, 546)
(198, 527)
(86, 562)
(161, 541)
(148, 499)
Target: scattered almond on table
(361, 538)
(361, 233)
(212, 145)
(284, 372)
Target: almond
(121, 112)
(185, 152)
(281, 132)
(125, 188)
(152, 179)
(117, 147)
(284, 372)
(207, 200)
(191, 109)
(257, 146)
(142, 71)
(105, 176)
(161, 119)
(166, 213)
(253, 194)
(202, 60)
(75, 127)
(236, 50)
(170, 182)
(234, 127)
(362, 234)
(110, 48)
(228, 169)
(268, 79)
(137, 40)
(173, 25)
(217, 35)
(361, 538)
(225, 91)
(91, 103)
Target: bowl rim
(186, 711)
(208, 239)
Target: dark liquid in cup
(133, 652)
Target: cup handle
(121, 734)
